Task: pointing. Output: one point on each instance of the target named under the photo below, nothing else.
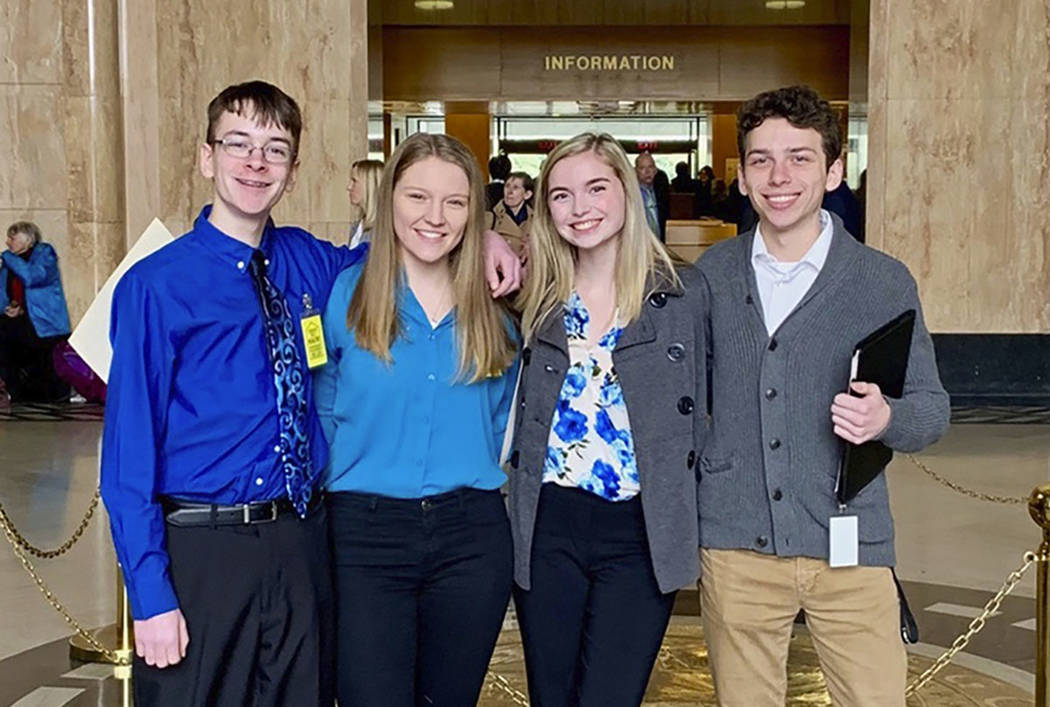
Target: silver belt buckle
(273, 511)
(247, 510)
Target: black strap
(909, 627)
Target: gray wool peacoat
(660, 359)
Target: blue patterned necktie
(289, 377)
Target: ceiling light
(434, 4)
(785, 4)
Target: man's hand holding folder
(861, 415)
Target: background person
(363, 187)
(655, 191)
(512, 217)
(602, 488)
(499, 169)
(415, 400)
(33, 317)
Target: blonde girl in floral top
(602, 492)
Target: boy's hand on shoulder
(861, 417)
(503, 269)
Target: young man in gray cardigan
(788, 302)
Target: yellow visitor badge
(313, 335)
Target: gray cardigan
(660, 361)
(768, 471)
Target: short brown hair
(526, 180)
(799, 105)
(265, 102)
(27, 227)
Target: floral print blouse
(590, 444)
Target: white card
(844, 544)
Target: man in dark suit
(656, 195)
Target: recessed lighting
(785, 4)
(434, 4)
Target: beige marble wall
(59, 134)
(315, 50)
(959, 157)
(102, 107)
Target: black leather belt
(184, 514)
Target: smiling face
(431, 208)
(247, 188)
(784, 173)
(586, 200)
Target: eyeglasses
(274, 152)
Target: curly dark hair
(799, 105)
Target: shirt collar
(814, 257)
(226, 247)
(408, 306)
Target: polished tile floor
(953, 553)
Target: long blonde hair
(368, 173)
(484, 342)
(641, 260)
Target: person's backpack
(72, 369)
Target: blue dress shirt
(191, 410)
(407, 429)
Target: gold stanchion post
(117, 638)
(1039, 508)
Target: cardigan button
(690, 460)
(771, 393)
(514, 459)
(761, 541)
(658, 299)
(685, 405)
(526, 355)
(772, 344)
(777, 494)
(774, 443)
(675, 352)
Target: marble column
(959, 157)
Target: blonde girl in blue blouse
(414, 401)
(602, 491)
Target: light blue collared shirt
(407, 429)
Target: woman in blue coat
(33, 316)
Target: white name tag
(844, 544)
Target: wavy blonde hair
(484, 341)
(369, 173)
(642, 263)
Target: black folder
(880, 358)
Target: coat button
(774, 443)
(771, 393)
(690, 460)
(675, 352)
(772, 344)
(761, 541)
(777, 494)
(685, 405)
(514, 459)
(526, 355)
(658, 299)
(550, 369)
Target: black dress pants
(594, 618)
(258, 606)
(26, 367)
(422, 587)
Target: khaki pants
(749, 602)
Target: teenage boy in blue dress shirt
(224, 550)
